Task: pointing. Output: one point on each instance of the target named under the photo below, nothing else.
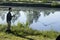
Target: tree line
(27, 0)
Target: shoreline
(28, 5)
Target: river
(38, 18)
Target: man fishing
(8, 19)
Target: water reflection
(37, 19)
(17, 15)
(32, 15)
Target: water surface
(38, 18)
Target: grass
(23, 32)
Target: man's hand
(13, 16)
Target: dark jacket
(9, 17)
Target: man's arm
(13, 16)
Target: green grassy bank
(23, 32)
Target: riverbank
(23, 32)
(47, 5)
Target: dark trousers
(9, 25)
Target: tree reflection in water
(17, 15)
(31, 15)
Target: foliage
(44, 1)
(54, 3)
